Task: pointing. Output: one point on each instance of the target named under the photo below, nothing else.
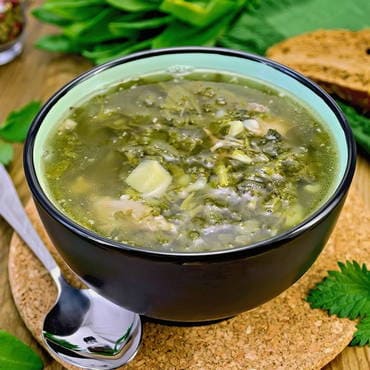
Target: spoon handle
(13, 212)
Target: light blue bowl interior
(182, 62)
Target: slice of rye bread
(338, 60)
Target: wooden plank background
(36, 75)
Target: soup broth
(198, 162)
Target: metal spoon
(83, 328)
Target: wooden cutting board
(284, 333)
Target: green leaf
(6, 155)
(15, 355)
(126, 48)
(251, 33)
(94, 30)
(75, 10)
(360, 125)
(362, 335)
(200, 13)
(46, 16)
(105, 51)
(345, 293)
(122, 28)
(16, 125)
(273, 21)
(180, 34)
(135, 5)
(58, 43)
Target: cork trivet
(284, 333)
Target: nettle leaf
(119, 27)
(6, 152)
(362, 335)
(126, 48)
(273, 21)
(180, 34)
(94, 30)
(57, 43)
(360, 125)
(15, 355)
(46, 16)
(345, 293)
(16, 125)
(201, 14)
(72, 10)
(135, 5)
(105, 50)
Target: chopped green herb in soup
(204, 162)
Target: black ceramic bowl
(190, 287)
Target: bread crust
(338, 60)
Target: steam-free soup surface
(200, 162)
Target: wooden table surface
(36, 75)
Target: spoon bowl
(89, 331)
(82, 328)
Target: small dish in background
(12, 26)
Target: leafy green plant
(200, 14)
(89, 26)
(360, 126)
(346, 293)
(273, 21)
(135, 5)
(14, 129)
(15, 355)
(101, 30)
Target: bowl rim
(251, 249)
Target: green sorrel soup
(201, 162)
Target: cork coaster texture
(284, 333)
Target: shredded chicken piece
(133, 213)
